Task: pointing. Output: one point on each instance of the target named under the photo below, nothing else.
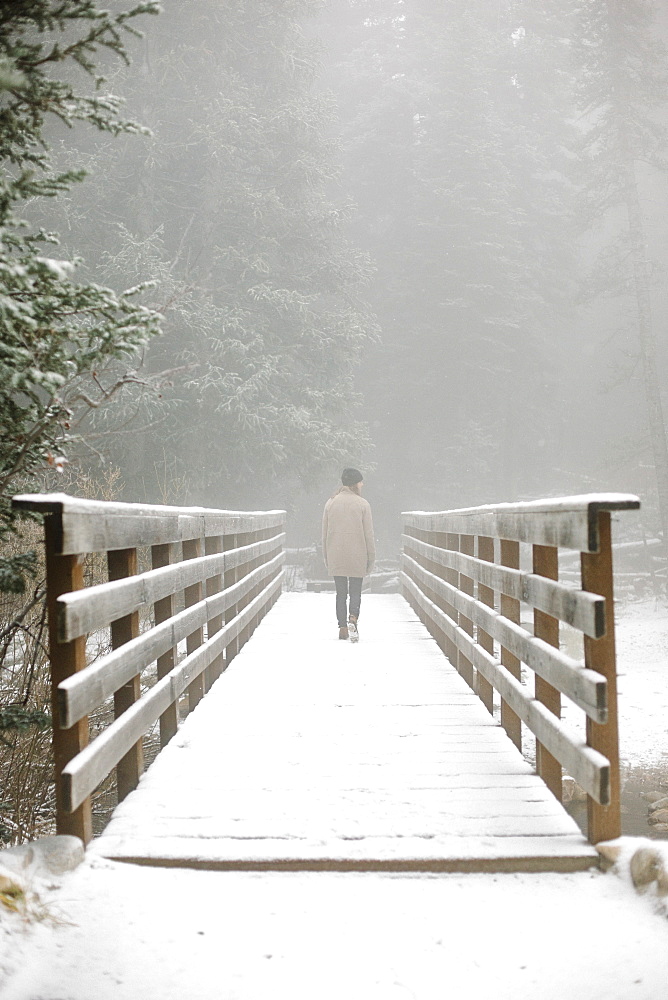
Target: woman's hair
(351, 477)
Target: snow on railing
(461, 574)
(214, 575)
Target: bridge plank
(309, 753)
(442, 854)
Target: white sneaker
(353, 634)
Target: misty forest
(244, 244)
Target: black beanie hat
(350, 477)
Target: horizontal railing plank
(575, 607)
(589, 768)
(244, 553)
(584, 687)
(85, 611)
(568, 522)
(84, 691)
(85, 771)
(98, 526)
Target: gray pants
(347, 585)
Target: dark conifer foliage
(57, 333)
(233, 208)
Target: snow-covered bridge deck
(310, 753)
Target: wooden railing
(208, 577)
(466, 577)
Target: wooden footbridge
(301, 752)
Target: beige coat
(347, 534)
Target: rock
(660, 828)
(658, 816)
(651, 796)
(661, 803)
(644, 867)
(649, 865)
(610, 851)
(48, 856)
(644, 862)
(17, 859)
(571, 791)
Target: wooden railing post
(193, 595)
(546, 563)
(244, 570)
(230, 578)
(466, 585)
(161, 555)
(451, 544)
(262, 535)
(604, 822)
(433, 538)
(405, 592)
(214, 585)
(403, 589)
(122, 563)
(486, 596)
(63, 575)
(254, 564)
(510, 608)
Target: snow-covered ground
(135, 934)
(642, 663)
(118, 932)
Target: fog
(427, 239)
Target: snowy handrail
(447, 555)
(213, 576)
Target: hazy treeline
(508, 163)
(226, 208)
(478, 182)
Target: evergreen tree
(458, 156)
(57, 333)
(622, 77)
(236, 197)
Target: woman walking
(348, 548)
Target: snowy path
(310, 753)
(129, 933)
(123, 932)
